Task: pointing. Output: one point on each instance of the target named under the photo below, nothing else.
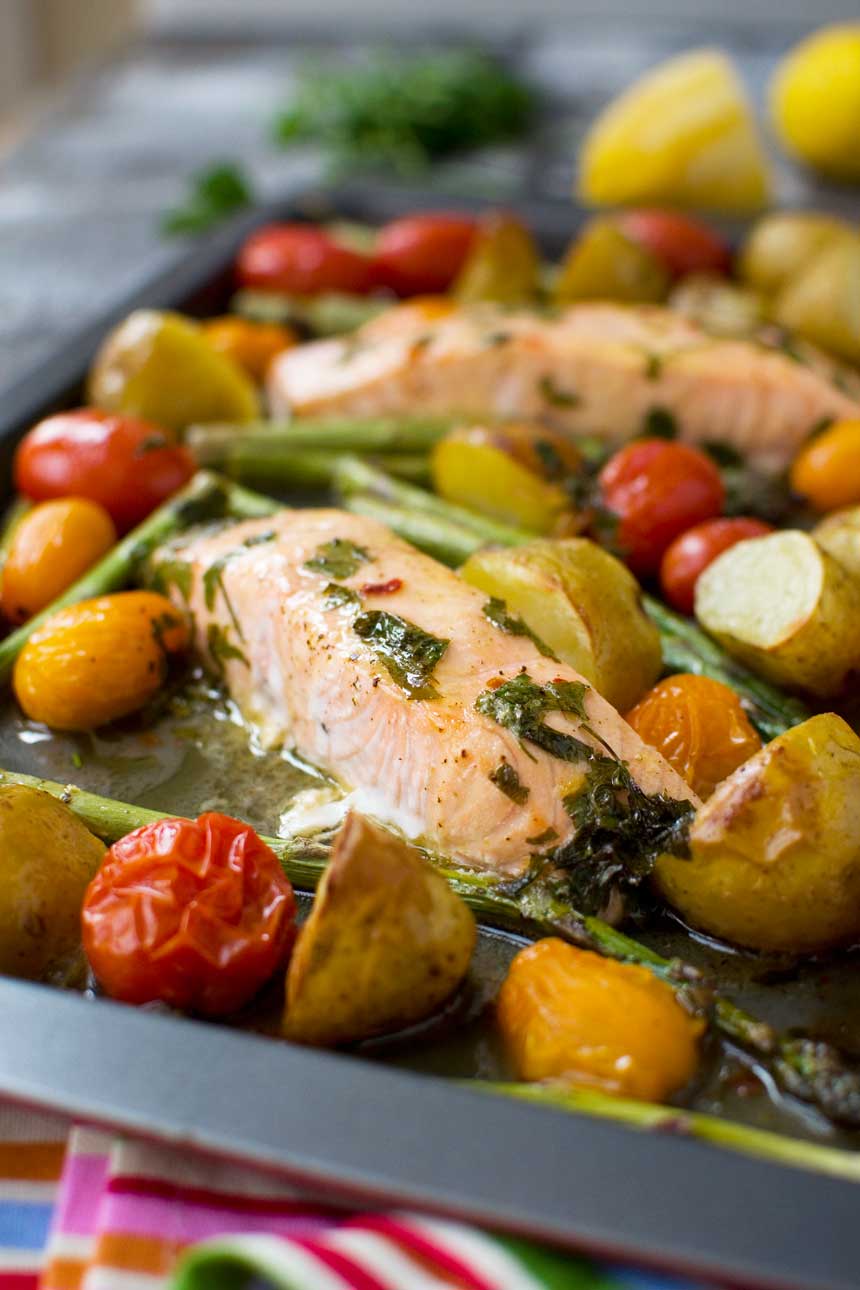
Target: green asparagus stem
(694, 1124)
(274, 466)
(206, 496)
(220, 444)
(443, 532)
(331, 313)
(812, 1071)
(354, 476)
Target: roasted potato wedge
(822, 302)
(839, 534)
(503, 265)
(582, 603)
(782, 244)
(509, 472)
(786, 608)
(775, 852)
(47, 858)
(386, 943)
(604, 264)
(161, 367)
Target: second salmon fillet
(595, 369)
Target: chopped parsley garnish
(507, 781)
(620, 832)
(620, 829)
(550, 459)
(653, 366)
(172, 573)
(494, 338)
(408, 653)
(555, 395)
(337, 596)
(722, 453)
(220, 648)
(659, 423)
(213, 578)
(548, 835)
(521, 704)
(337, 559)
(497, 612)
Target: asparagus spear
(443, 531)
(218, 445)
(812, 1071)
(206, 496)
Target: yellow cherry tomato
(568, 1014)
(252, 345)
(827, 470)
(98, 660)
(52, 546)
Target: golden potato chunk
(604, 264)
(780, 245)
(502, 471)
(822, 303)
(47, 858)
(786, 608)
(583, 604)
(161, 367)
(775, 852)
(386, 943)
(839, 535)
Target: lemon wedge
(682, 135)
(815, 100)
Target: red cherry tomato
(301, 260)
(692, 552)
(127, 465)
(196, 913)
(422, 254)
(684, 245)
(658, 489)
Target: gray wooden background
(80, 199)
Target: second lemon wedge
(682, 135)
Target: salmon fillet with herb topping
(378, 665)
(596, 369)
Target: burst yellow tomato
(568, 1014)
(54, 544)
(827, 470)
(98, 660)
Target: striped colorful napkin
(86, 1210)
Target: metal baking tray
(361, 1131)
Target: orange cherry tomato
(302, 260)
(98, 660)
(657, 489)
(196, 913)
(692, 552)
(699, 726)
(252, 345)
(422, 254)
(127, 465)
(569, 1014)
(827, 470)
(683, 244)
(52, 546)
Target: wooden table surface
(80, 199)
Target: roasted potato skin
(501, 471)
(839, 535)
(781, 244)
(815, 653)
(47, 859)
(584, 604)
(775, 852)
(386, 943)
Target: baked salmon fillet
(596, 369)
(344, 644)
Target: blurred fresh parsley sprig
(407, 111)
(396, 110)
